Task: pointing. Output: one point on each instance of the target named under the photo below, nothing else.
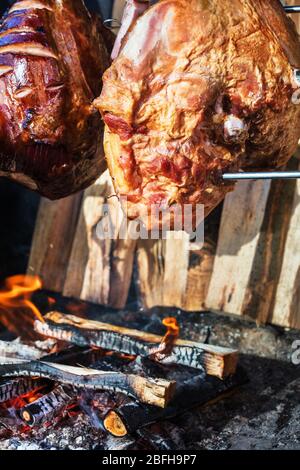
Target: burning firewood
(216, 361)
(131, 416)
(45, 408)
(21, 350)
(11, 389)
(156, 392)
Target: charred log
(216, 361)
(156, 392)
(47, 407)
(198, 391)
(11, 389)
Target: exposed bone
(156, 392)
(214, 360)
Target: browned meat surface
(52, 58)
(200, 87)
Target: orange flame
(18, 291)
(166, 346)
(172, 326)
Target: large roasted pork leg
(200, 88)
(52, 57)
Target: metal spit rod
(292, 9)
(272, 175)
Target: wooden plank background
(250, 263)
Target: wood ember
(14, 388)
(45, 408)
(131, 416)
(156, 392)
(216, 361)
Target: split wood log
(104, 276)
(220, 362)
(17, 348)
(157, 392)
(131, 416)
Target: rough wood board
(287, 302)
(163, 270)
(88, 268)
(52, 240)
(241, 222)
(100, 268)
(267, 263)
(118, 9)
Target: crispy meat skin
(200, 87)
(52, 58)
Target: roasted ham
(52, 57)
(199, 88)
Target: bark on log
(132, 416)
(220, 362)
(156, 392)
(10, 389)
(45, 408)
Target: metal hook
(112, 23)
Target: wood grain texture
(100, 267)
(287, 301)
(163, 270)
(241, 222)
(88, 269)
(73, 249)
(52, 240)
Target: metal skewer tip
(274, 175)
(292, 9)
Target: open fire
(122, 379)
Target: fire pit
(122, 379)
(89, 362)
(47, 402)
